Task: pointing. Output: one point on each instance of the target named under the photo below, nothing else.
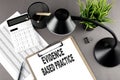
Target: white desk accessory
(22, 33)
(11, 60)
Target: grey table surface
(8, 7)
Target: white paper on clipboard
(61, 61)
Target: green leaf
(81, 5)
(96, 10)
(106, 19)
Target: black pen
(20, 71)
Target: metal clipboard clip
(58, 44)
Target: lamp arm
(98, 24)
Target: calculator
(22, 33)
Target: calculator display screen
(17, 20)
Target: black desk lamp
(61, 22)
(106, 51)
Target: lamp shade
(60, 22)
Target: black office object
(21, 68)
(60, 22)
(106, 51)
(86, 40)
(13, 29)
(38, 21)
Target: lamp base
(105, 55)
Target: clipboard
(61, 60)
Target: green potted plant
(96, 10)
